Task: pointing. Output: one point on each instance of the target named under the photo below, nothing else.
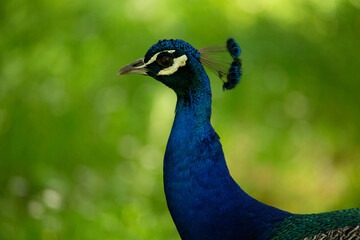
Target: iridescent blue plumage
(234, 75)
(233, 48)
(221, 67)
(172, 44)
(203, 199)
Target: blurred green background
(81, 150)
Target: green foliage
(81, 151)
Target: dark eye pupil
(165, 61)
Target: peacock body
(203, 199)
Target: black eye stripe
(165, 59)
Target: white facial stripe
(153, 58)
(178, 62)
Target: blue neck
(203, 199)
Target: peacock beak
(137, 67)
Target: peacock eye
(164, 60)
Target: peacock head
(179, 65)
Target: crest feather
(212, 58)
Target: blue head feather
(172, 44)
(191, 77)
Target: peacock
(203, 199)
